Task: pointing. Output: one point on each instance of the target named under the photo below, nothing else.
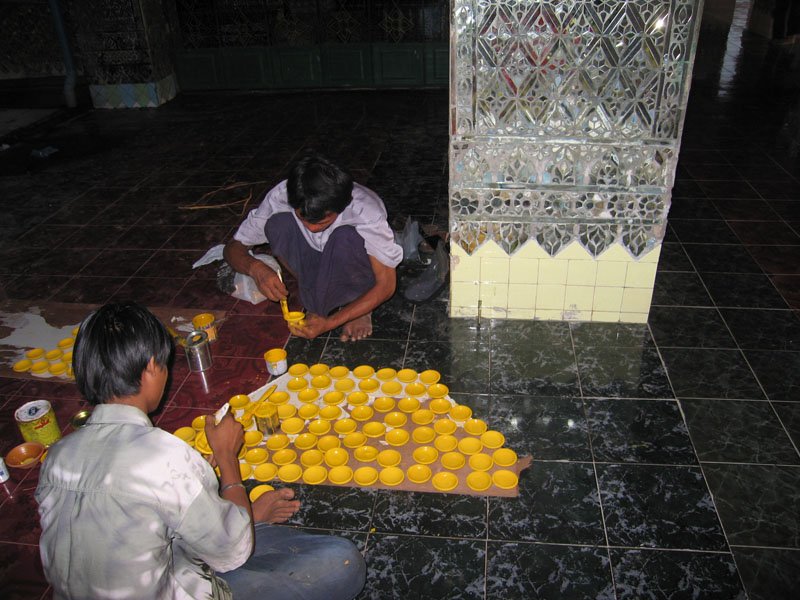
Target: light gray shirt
(365, 212)
(130, 511)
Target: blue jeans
(293, 565)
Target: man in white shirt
(129, 511)
(332, 235)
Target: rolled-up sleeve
(251, 231)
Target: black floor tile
(721, 258)
(768, 573)
(738, 431)
(622, 372)
(534, 370)
(464, 368)
(325, 506)
(644, 431)
(707, 231)
(759, 505)
(789, 414)
(615, 335)
(689, 327)
(440, 515)
(679, 289)
(740, 290)
(377, 353)
(764, 329)
(683, 517)
(702, 373)
(778, 373)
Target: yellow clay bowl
(199, 423)
(460, 412)
(357, 398)
(290, 473)
(423, 416)
(391, 388)
(312, 457)
(319, 427)
(292, 425)
(383, 404)
(340, 475)
(333, 398)
(505, 479)
(277, 441)
(362, 413)
(327, 442)
(245, 471)
(239, 401)
(354, 439)
(408, 404)
(429, 377)
(397, 437)
(475, 426)
(368, 385)
(336, 456)
(391, 476)
(307, 395)
(329, 413)
(297, 384)
(469, 445)
(385, 374)
(259, 491)
(407, 375)
(363, 371)
(504, 457)
(440, 406)
(493, 439)
(265, 472)
(389, 458)
(374, 429)
(365, 475)
(315, 474)
(338, 372)
(444, 481)
(453, 460)
(284, 456)
(445, 426)
(305, 441)
(395, 419)
(365, 453)
(425, 455)
(318, 369)
(438, 390)
(21, 366)
(418, 473)
(185, 433)
(480, 462)
(321, 382)
(423, 435)
(308, 411)
(345, 426)
(445, 443)
(278, 398)
(253, 438)
(415, 389)
(344, 385)
(286, 411)
(479, 481)
(298, 369)
(201, 443)
(256, 456)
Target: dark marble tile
(89, 290)
(401, 567)
(511, 332)
(526, 571)
(693, 327)
(391, 320)
(702, 373)
(686, 188)
(16, 260)
(712, 172)
(738, 431)
(745, 210)
(776, 188)
(658, 507)
(778, 373)
(789, 414)
(742, 290)
(764, 232)
(432, 323)
(674, 258)
(777, 260)
(226, 377)
(788, 286)
(35, 287)
(94, 236)
(647, 431)
(241, 335)
(197, 293)
(534, 370)
(463, 368)
(759, 504)
(721, 258)
(150, 291)
(146, 237)
(47, 236)
(63, 263)
(545, 428)
(669, 574)
(768, 573)
(787, 209)
(119, 263)
(557, 503)
(333, 507)
(19, 517)
(705, 231)
(441, 515)
(306, 351)
(728, 189)
(628, 372)
(679, 289)
(22, 576)
(764, 329)
(376, 353)
(693, 208)
(610, 334)
(170, 263)
(48, 389)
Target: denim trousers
(288, 564)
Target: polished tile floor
(666, 455)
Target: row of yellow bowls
(56, 362)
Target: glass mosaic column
(566, 120)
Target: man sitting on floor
(129, 511)
(332, 235)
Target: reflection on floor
(666, 455)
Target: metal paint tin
(198, 351)
(267, 420)
(37, 422)
(206, 322)
(4, 474)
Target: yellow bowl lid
(199, 422)
(445, 443)
(383, 404)
(326, 442)
(475, 426)
(256, 456)
(354, 439)
(329, 413)
(407, 375)
(340, 475)
(429, 376)
(336, 456)
(307, 395)
(385, 374)
(23, 365)
(290, 472)
(453, 460)
(505, 479)
(312, 457)
(318, 369)
(391, 476)
(389, 458)
(333, 397)
(444, 481)
(357, 398)
(308, 411)
(239, 401)
(365, 475)
(480, 462)
(504, 457)
(493, 439)
(35, 354)
(423, 435)
(245, 471)
(265, 472)
(363, 371)
(440, 406)
(460, 412)
(298, 369)
(395, 419)
(362, 413)
(297, 384)
(338, 372)
(365, 453)
(391, 388)
(423, 416)
(408, 404)
(397, 437)
(415, 389)
(321, 382)
(479, 481)
(253, 438)
(277, 441)
(259, 491)
(319, 427)
(368, 385)
(292, 425)
(418, 473)
(315, 474)
(279, 397)
(185, 433)
(344, 385)
(284, 456)
(469, 445)
(374, 429)
(286, 411)
(345, 426)
(438, 390)
(425, 455)
(305, 440)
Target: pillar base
(134, 95)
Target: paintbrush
(284, 302)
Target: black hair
(112, 349)
(316, 187)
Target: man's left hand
(314, 325)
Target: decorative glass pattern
(566, 118)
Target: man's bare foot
(357, 329)
(276, 506)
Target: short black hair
(112, 349)
(316, 187)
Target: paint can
(267, 420)
(4, 474)
(37, 422)
(198, 351)
(206, 322)
(276, 361)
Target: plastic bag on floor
(238, 285)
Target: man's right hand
(268, 282)
(226, 438)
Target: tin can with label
(37, 423)
(267, 420)
(206, 322)
(198, 351)
(4, 474)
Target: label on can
(37, 422)
(4, 474)
(198, 352)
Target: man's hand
(268, 281)
(275, 507)
(314, 325)
(226, 438)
